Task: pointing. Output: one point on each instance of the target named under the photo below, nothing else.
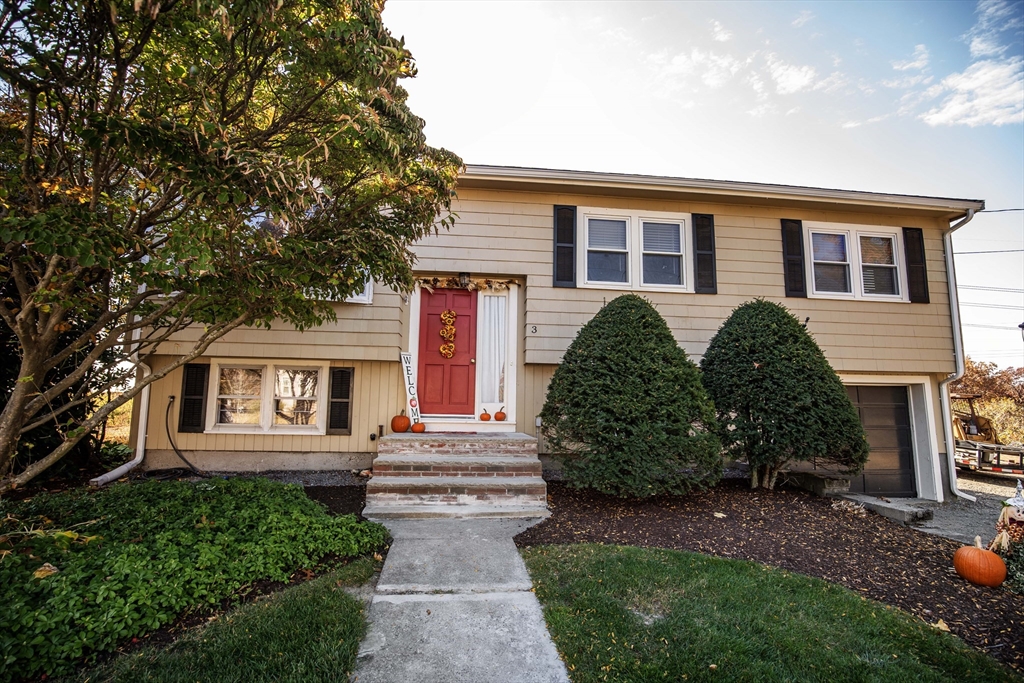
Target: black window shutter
(565, 246)
(705, 281)
(339, 410)
(793, 257)
(917, 272)
(192, 413)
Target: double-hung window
(879, 272)
(239, 396)
(607, 250)
(296, 396)
(634, 250)
(852, 261)
(663, 253)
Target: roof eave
(589, 182)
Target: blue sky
(906, 97)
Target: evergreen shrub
(626, 412)
(777, 397)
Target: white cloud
(834, 82)
(917, 62)
(989, 92)
(790, 78)
(719, 32)
(908, 82)
(714, 70)
(803, 18)
(761, 110)
(994, 17)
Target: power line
(1012, 290)
(991, 327)
(991, 251)
(998, 210)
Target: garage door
(885, 414)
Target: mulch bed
(800, 532)
(340, 500)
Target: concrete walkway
(453, 604)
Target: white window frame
(853, 234)
(634, 245)
(365, 297)
(267, 393)
(681, 253)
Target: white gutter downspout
(958, 355)
(140, 442)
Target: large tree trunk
(12, 419)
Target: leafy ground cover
(83, 571)
(308, 633)
(640, 614)
(799, 532)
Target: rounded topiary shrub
(777, 397)
(626, 412)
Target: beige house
(533, 255)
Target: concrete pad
(472, 565)
(903, 510)
(493, 637)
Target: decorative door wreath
(448, 333)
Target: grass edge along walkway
(305, 633)
(628, 614)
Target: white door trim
(473, 423)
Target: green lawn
(308, 633)
(635, 614)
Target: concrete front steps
(456, 475)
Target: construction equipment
(977, 445)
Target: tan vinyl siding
(377, 395)
(510, 233)
(361, 332)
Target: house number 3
(533, 329)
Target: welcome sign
(412, 403)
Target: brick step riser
(470, 488)
(457, 470)
(457, 449)
(453, 499)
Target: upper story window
(626, 249)
(607, 250)
(854, 262)
(663, 253)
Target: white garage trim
(920, 394)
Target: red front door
(447, 372)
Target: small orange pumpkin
(400, 423)
(419, 427)
(979, 566)
(500, 415)
(485, 416)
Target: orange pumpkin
(485, 416)
(979, 566)
(419, 427)
(500, 415)
(400, 423)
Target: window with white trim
(854, 262)
(295, 396)
(267, 398)
(239, 392)
(633, 250)
(607, 250)
(663, 253)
